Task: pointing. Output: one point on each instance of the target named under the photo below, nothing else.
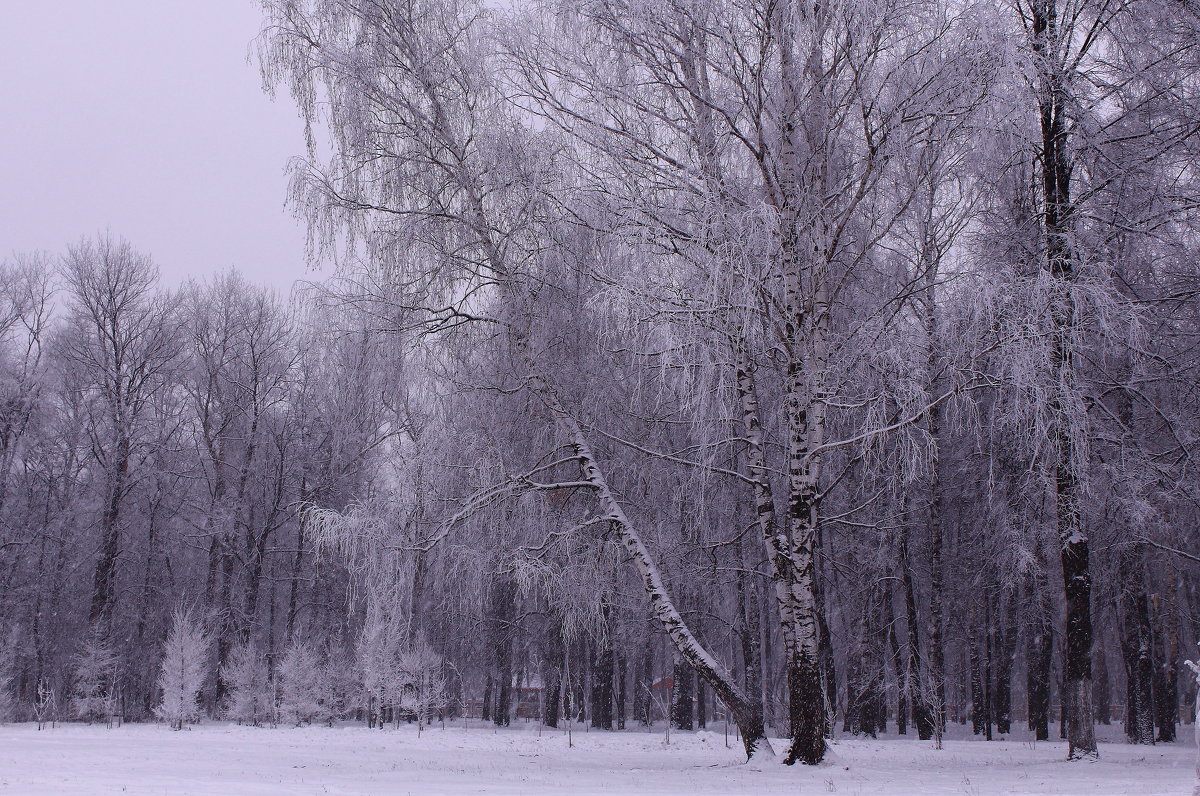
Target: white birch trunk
(748, 717)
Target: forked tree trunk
(803, 264)
(792, 567)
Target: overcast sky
(144, 118)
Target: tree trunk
(602, 683)
(643, 683)
(552, 662)
(1006, 651)
(1057, 165)
(914, 680)
(1102, 689)
(620, 691)
(682, 677)
(502, 594)
(935, 696)
(1166, 683)
(903, 690)
(104, 583)
(979, 711)
(1038, 661)
(749, 633)
(1138, 652)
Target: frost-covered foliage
(854, 375)
(343, 686)
(248, 690)
(376, 655)
(421, 681)
(45, 704)
(303, 688)
(399, 675)
(185, 666)
(371, 656)
(94, 695)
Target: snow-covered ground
(231, 760)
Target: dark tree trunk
(1077, 664)
(1006, 652)
(1166, 683)
(1039, 656)
(620, 691)
(1102, 689)
(551, 698)
(602, 685)
(578, 678)
(486, 712)
(294, 586)
(552, 676)
(900, 665)
(644, 682)
(271, 632)
(682, 695)
(503, 713)
(1137, 645)
(1057, 164)
(918, 691)
(935, 690)
(979, 709)
(104, 592)
(749, 633)
(864, 685)
(502, 609)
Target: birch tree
(470, 201)
(745, 118)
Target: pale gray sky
(143, 117)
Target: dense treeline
(859, 337)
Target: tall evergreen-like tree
(185, 666)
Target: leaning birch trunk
(745, 713)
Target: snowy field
(231, 760)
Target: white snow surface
(215, 758)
